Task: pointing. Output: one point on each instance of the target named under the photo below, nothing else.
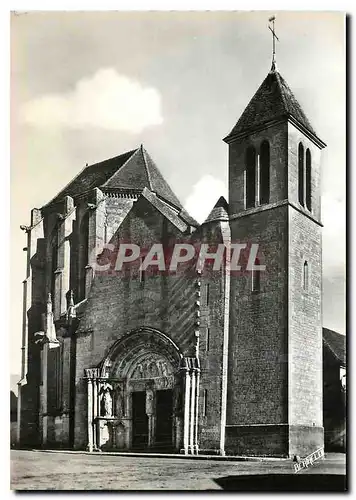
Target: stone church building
(188, 362)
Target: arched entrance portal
(135, 395)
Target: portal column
(95, 410)
(44, 393)
(196, 447)
(91, 375)
(90, 415)
(186, 411)
(150, 415)
(192, 413)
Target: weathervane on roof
(274, 36)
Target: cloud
(105, 100)
(334, 254)
(204, 195)
(334, 234)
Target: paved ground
(39, 470)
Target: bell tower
(274, 401)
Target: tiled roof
(158, 184)
(93, 176)
(336, 343)
(219, 212)
(132, 170)
(165, 210)
(274, 99)
(132, 174)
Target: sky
(87, 86)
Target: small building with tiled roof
(336, 345)
(334, 390)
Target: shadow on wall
(335, 439)
(13, 419)
(284, 482)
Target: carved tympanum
(152, 367)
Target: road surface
(41, 470)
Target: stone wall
(212, 323)
(275, 360)
(32, 322)
(304, 304)
(258, 384)
(305, 322)
(119, 304)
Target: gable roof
(336, 344)
(158, 184)
(92, 176)
(165, 210)
(139, 172)
(132, 170)
(273, 99)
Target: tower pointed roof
(273, 100)
(219, 211)
(133, 170)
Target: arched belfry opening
(250, 194)
(301, 174)
(264, 172)
(308, 180)
(136, 395)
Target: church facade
(192, 361)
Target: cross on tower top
(274, 37)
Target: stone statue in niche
(107, 403)
(120, 402)
(149, 402)
(106, 400)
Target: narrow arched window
(207, 339)
(207, 294)
(250, 177)
(264, 172)
(308, 180)
(256, 277)
(301, 173)
(305, 276)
